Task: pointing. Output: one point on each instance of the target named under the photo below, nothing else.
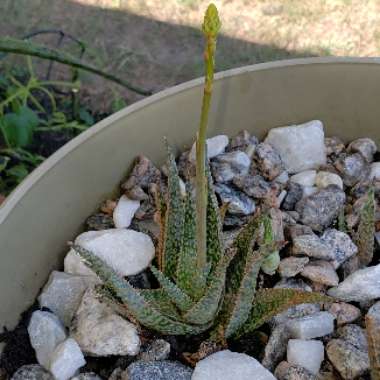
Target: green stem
(10, 45)
(211, 27)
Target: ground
(156, 44)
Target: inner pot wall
(49, 207)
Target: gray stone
(268, 161)
(286, 371)
(87, 376)
(158, 350)
(344, 312)
(99, 222)
(125, 211)
(297, 311)
(293, 283)
(322, 272)
(301, 147)
(142, 175)
(229, 365)
(275, 349)
(305, 178)
(308, 354)
(291, 266)
(215, 145)
(238, 202)
(320, 209)
(158, 370)
(243, 141)
(365, 146)
(334, 145)
(66, 359)
(362, 285)
(350, 266)
(282, 178)
(46, 332)
(375, 171)
(294, 194)
(341, 245)
(324, 179)
(349, 361)
(311, 326)
(32, 372)
(228, 165)
(255, 186)
(353, 168)
(99, 331)
(294, 230)
(62, 294)
(127, 251)
(354, 335)
(312, 246)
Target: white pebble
(324, 179)
(125, 211)
(100, 331)
(62, 294)
(128, 252)
(66, 360)
(46, 332)
(311, 326)
(305, 178)
(362, 285)
(301, 147)
(215, 145)
(308, 354)
(229, 365)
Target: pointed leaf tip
(211, 24)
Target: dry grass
(157, 43)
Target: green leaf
(366, 230)
(188, 277)
(177, 296)
(86, 117)
(174, 220)
(17, 173)
(214, 226)
(205, 310)
(270, 302)
(138, 303)
(3, 163)
(18, 128)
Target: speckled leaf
(205, 310)
(270, 302)
(174, 220)
(366, 230)
(177, 296)
(137, 302)
(214, 226)
(188, 277)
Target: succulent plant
(202, 285)
(365, 239)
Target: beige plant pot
(49, 207)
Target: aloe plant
(365, 239)
(202, 285)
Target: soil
(18, 350)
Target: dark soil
(18, 350)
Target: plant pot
(49, 207)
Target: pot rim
(18, 193)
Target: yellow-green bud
(211, 24)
